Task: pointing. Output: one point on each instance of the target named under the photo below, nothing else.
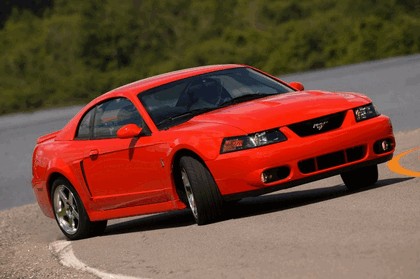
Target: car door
(120, 172)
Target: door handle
(93, 154)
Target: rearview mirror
(297, 85)
(129, 131)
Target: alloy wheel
(65, 209)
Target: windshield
(174, 103)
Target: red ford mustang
(197, 138)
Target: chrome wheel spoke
(71, 200)
(62, 196)
(72, 203)
(76, 215)
(72, 222)
(189, 192)
(61, 213)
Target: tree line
(59, 52)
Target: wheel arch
(57, 174)
(177, 182)
(50, 181)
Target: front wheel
(70, 214)
(360, 178)
(201, 190)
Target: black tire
(360, 178)
(70, 213)
(203, 195)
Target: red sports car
(197, 138)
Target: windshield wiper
(185, 116)
(244, 98)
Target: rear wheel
(201, 190)
(361, 177)
(70, 214)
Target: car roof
(132, 89)
(147, 83)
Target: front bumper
(239, 173)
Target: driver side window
(104, 120)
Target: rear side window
(104, 120)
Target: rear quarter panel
(51, 159)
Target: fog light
(383, 145)
(265, 177)
(275, 174)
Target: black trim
(312, 178)
(82, 168)
(327, 123)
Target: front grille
(318, 125)
(333, 159)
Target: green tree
(59, 52)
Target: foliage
(58, 52)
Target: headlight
(251, 141)
(365, 112)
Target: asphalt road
(319, 230)
(316, 230)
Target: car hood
(281, 110)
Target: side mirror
(297, 85)
(128, 131)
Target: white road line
(63, 250)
